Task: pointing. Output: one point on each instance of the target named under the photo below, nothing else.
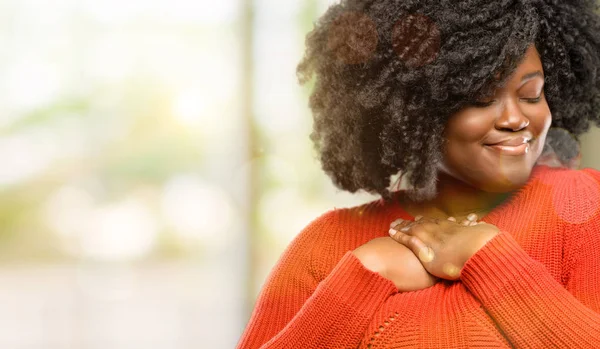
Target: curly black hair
(389, 74)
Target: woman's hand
(395, 262)
(443, 246)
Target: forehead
(530, 63)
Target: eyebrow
(530, 76)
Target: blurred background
(155, 164)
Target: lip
(513, 141)
(513, 150)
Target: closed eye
(533, 100)
(477, 104)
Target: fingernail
(396, 222)
(452, 219)
(472, 217)
(417, 218)
(405, 229)
(393, 232)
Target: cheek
(463, 151)
(464, 135)
(462, 154)
(539, 115)
(544, 120)
(540, 124)
(469, 127)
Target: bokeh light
(156, 163)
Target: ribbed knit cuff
(497, 265)
(356, 286)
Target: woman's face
(494, 144)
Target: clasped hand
(443, 246)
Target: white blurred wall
(590, 148)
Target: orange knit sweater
(535, 285)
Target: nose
(511, 117)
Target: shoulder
(560, 176)
(308, 242)
(591, 172)
(325, 239)
(341, 226)
(574, 194)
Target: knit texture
(535, 285)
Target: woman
(460, 97)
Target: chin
(508, 173)
(491, 176)
(506, 180)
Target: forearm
(335, 315)
(532, 309)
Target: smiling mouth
(513, 150)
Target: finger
(472, 217)
(418, 247)
(465, 222)
(425, 254)
(416, 237)
(406, 228)
(451, 270)
(473, 223)
(402, 224)
(407, 225)
(396, 222)
(425, 223)
(403, 229)
(418, 218)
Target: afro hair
(389, 73)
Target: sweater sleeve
(528, 304)
(295, 310)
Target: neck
(456, 198)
